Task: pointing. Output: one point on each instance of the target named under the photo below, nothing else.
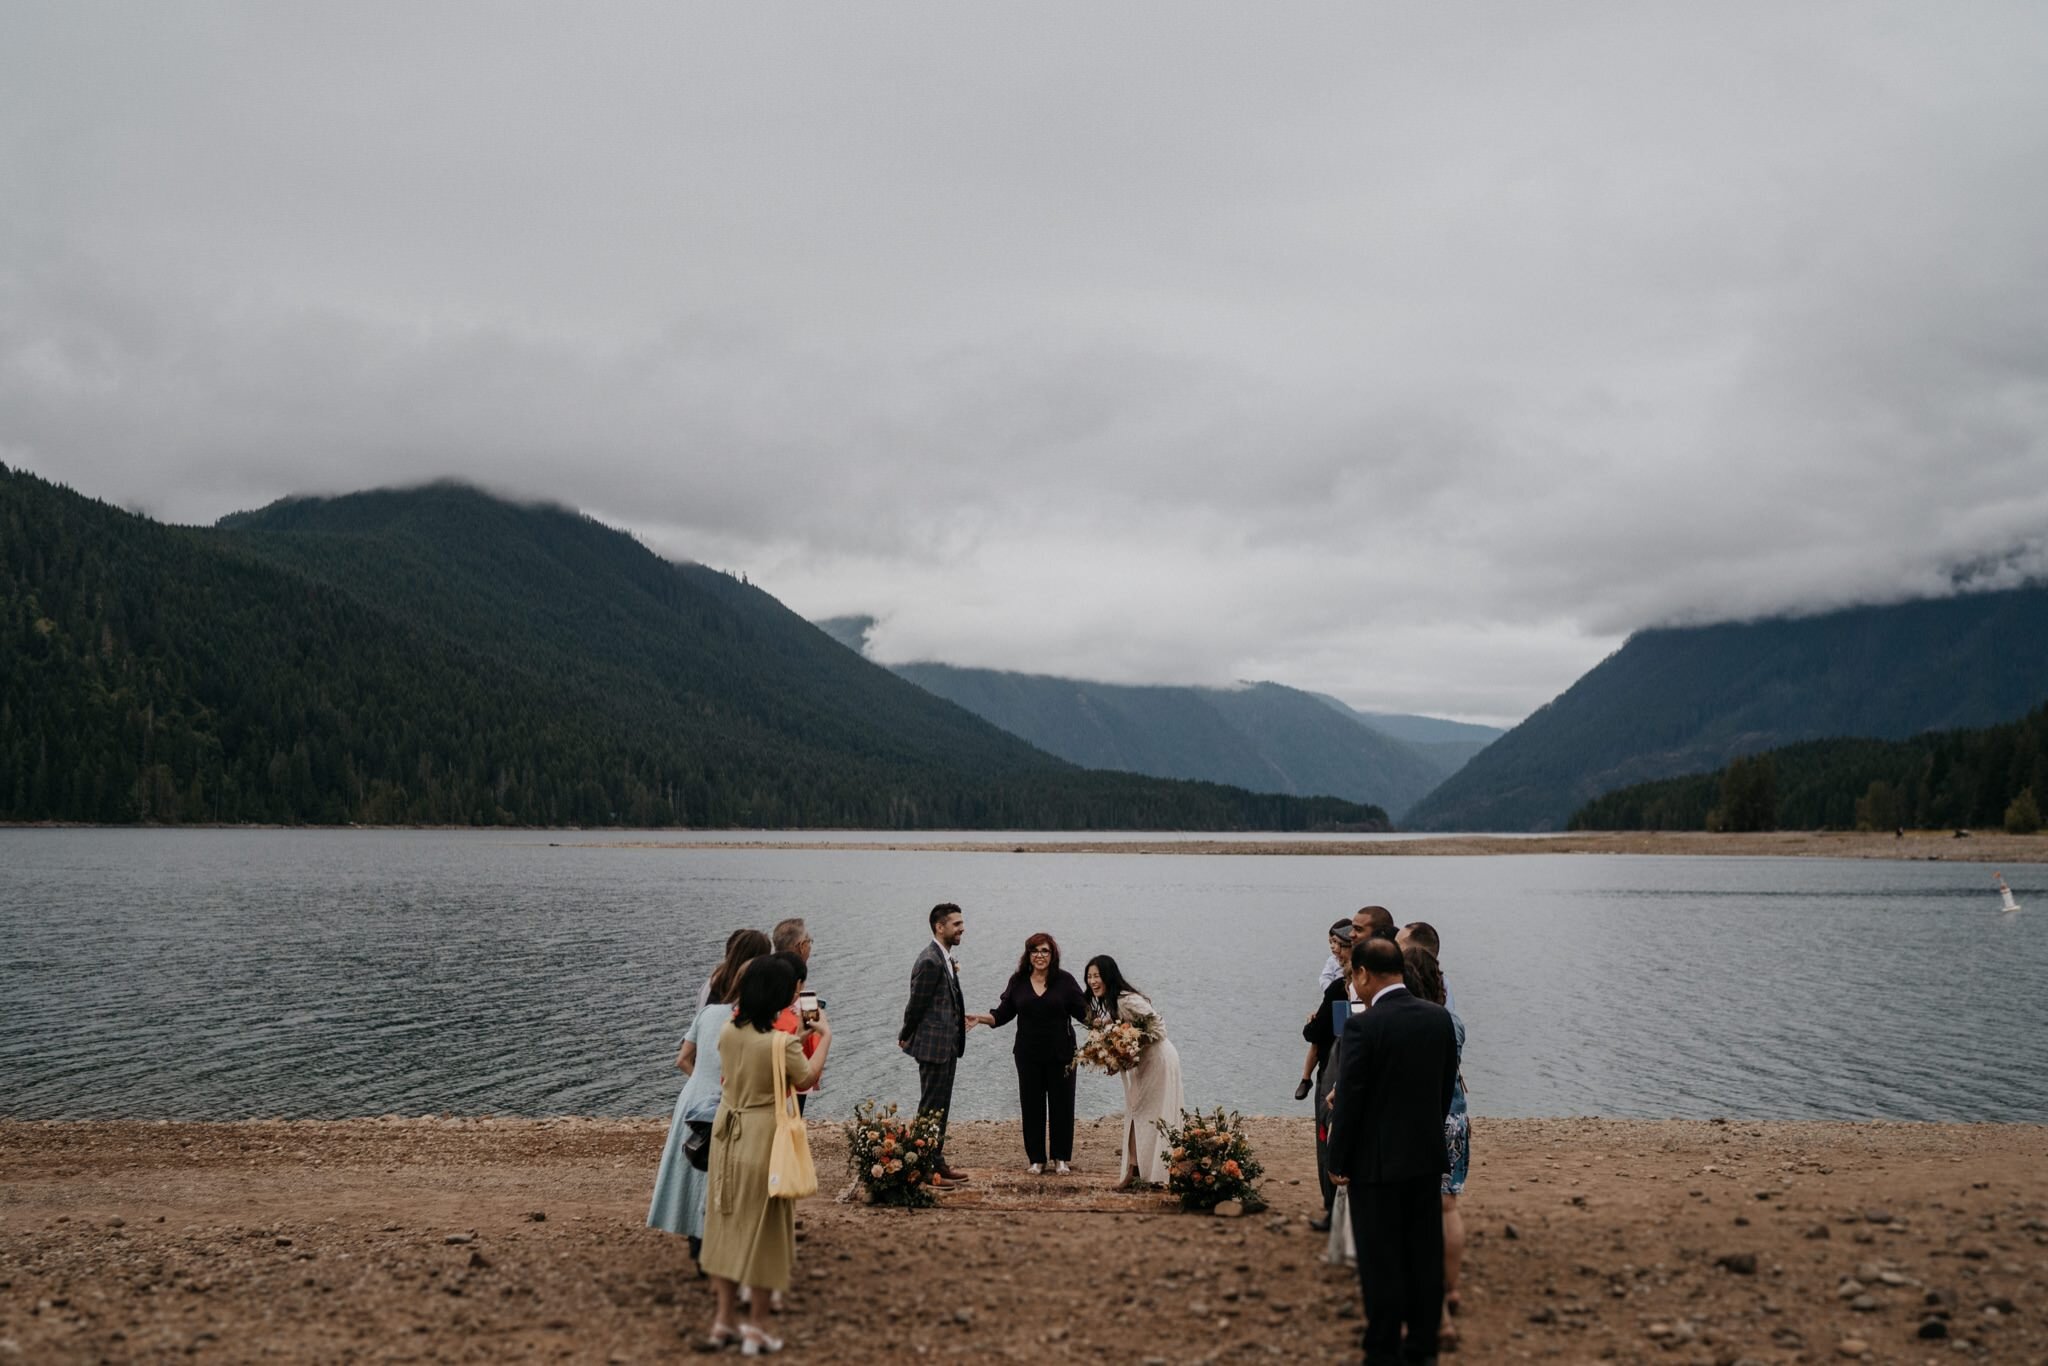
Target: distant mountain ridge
(439, 655)
(1262, 736)
(1688, 700)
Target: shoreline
(1930, 846)
(1921, 846)
(492, 1239)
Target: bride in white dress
(1152, 1089)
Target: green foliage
(438, 656)
(1749, 796)
(1681, 701)
(2023, 814)
(1945, 780)
(1879, 808)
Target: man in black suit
(935, 1025)
(1387, 1146)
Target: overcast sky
(1413, 353)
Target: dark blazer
(1393, 1091)
(1045, 1030)
(935, 1021)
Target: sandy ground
(1983, 846)
(490, 1240)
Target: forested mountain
(1993, 777)
(1688, 700)
(1263, 737)
(1447, 745)
(439, 655)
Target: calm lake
(231, 974)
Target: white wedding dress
(1152, 1092)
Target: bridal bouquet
(891, 1156)
(1209, 1160)
(1114, 1046)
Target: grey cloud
(1415, 355)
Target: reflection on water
(221, 974)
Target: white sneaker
(1063, 1169)
(1035, 1169)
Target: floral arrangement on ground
(1209, 1160)
(891, 1154)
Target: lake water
(227, 974)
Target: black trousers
(935, 1092)
(1046, 1089)
(1399, 1226)
(1322, 1146)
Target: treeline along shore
(1929, 845)
(442, 1239)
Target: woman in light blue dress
(679, 1188)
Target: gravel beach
(444, 1239)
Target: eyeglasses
(1041, 949)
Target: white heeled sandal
(754, 1342)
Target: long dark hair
(767, 986)
(1421, 975)
(741, 949)
(1024, 963)
(796, 964)
(1113, 984)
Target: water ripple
(221, 974)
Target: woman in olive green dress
(749, 1238)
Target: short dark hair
(796, 963)
(1380, 957)
(1378, 919)
(941, 911)
(767, 986)
(1423, 933)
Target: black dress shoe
(1301, 1091)
(1321, 1225)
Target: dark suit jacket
(935, 1021)
(1393, 1091)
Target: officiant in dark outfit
(1045, 1001)
(1387, 1146)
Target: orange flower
(1232, 1169)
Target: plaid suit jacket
(935, 1021)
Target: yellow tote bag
(791, 1173)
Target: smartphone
(808, 1005)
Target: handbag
(697, 1144)
(791, 1173)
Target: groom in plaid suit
(935, 1024)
